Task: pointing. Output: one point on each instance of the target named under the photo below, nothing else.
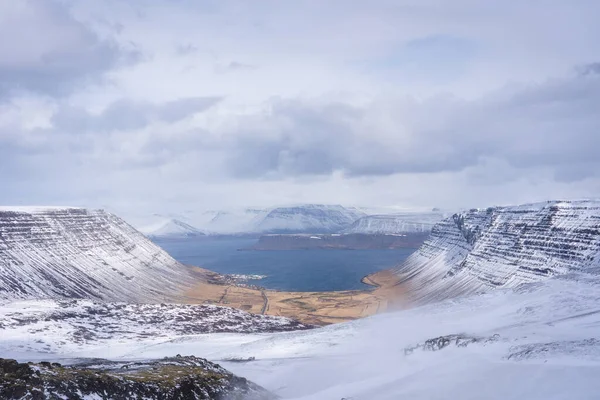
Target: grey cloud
(590, 69)
(123, 115)
(550, 125)
(234, 66)
(49, 51)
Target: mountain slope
(395, 223)
(69, 252)
(504, 247)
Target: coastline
(317, 308)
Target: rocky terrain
(79, 253)
(50, 326)
(357, 241)
(173, 378)
(504, 247)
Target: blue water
(290, 270)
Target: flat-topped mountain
(79, 253)
(308, 218)
(395, 223)
(502, 247)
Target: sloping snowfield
(536, 341)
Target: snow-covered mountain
(396, 223)
(503, 247)
(79, 253)
(170, 228)
(308, 218)
(305, 218)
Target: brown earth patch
(319, 308)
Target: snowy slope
(171, 228)
(504, 247)
(536, 342)
(69, 252)
(75, 325)
(395, 223)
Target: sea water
(289, 270)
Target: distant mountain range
(306, 218)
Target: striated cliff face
(504, 247)
(79, 253)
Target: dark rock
(178, 378)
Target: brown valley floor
(320, 308)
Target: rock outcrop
(53, 327)
(173, 378)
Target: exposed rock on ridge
(504, 247)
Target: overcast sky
(171, 105)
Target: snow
(536, 336)
(82, 253)
(35, 209)
(396, 223)
(485, 249)
(170, 228)
(536, 341)
(303, 218)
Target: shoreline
(317, 308)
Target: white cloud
(231, 103)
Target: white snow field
(536, 341)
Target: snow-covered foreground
(537, 341)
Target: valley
(318, 308)
(491, 291)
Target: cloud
(552, 124)
(127, 115)
(237, 103)
(46, 50)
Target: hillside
(502, 247)
(79, 253)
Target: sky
(173, 105)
